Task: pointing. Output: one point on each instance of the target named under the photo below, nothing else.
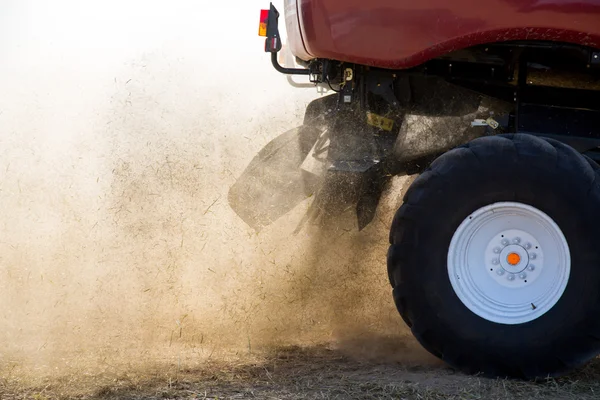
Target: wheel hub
(509, 262)
(513, 258)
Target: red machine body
(399, 34)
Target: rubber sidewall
(544, 174)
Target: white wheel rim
(509, 263)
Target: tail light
(262, 26)
(267, 27)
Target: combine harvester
(494, 256)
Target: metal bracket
(382, 84)
(273, 44)
(288, 71)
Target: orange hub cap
(513, 258)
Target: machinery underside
(381, 123)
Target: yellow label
(380, 122)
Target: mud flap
(273, 183)
(373, 184)
(347, 186)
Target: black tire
(543, 173)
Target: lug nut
(510, 277)
(530, 267)
(495, 261)
(528, 246)
(504, 242)
(522, 275)
(497, 250)
(517, 240)
(532, 256)
(500, 271)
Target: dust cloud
(122, 127)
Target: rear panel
(292, 27)
(405, 33)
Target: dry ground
(318, 372)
